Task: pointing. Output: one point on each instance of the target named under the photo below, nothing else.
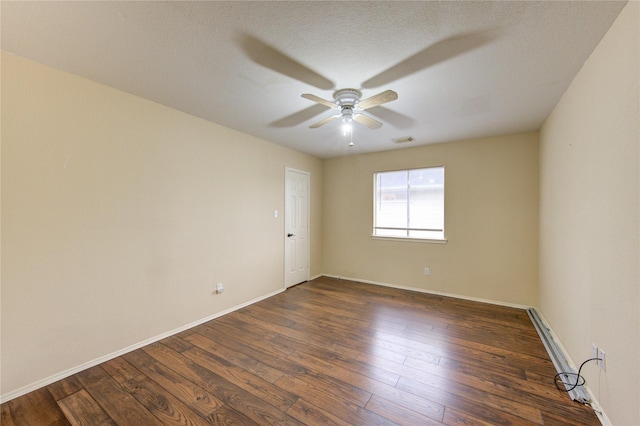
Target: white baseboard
(64, 374)
(421, 290)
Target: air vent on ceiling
(404, 139)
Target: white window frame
(374, 235)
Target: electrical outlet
(603, 360)
(426, 271)
(219, 288)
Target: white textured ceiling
(461, 69)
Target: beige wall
(590, 218)
(120, 215)
(491, 220)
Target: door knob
(290, 235)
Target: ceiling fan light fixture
(347, 127)
(347, 122)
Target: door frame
(287, 170)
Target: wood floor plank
(505, 387)
(227, 416)
(334, 309)
(260, 388)
(65, 387)
(456, 418)
(247, 343)
(343, 367)
(319, 311)
(6, 418)
(533, 389)
(120, 405)
(397, 413)
(120, 370)
(556, 419)
(322, 322)
(236, 322)
(343, 409)
(391, 393)
(303, 336)
(324, 352)
(481, 404)
(36, 408)
(359, 336)
(192, 395)
(167, 408)
(416, 346)
(177, 342)
(469, 367)
(309, 414)
(231, 394)
(269, 352)
(251, 364)
(319, 383)
(81, 409)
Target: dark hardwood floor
(324, 352)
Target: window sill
(411, 240)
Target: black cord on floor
(580, 381)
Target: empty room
(320, 212)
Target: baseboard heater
(557, 357)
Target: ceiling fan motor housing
(347, 97)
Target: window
(409, 204)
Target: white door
(296, 227)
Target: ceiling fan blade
(371, 123)
(379, 99)
(434, 54)
(319, 100)
(325, 121)
(267, 56)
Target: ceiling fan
(347, 101)
(349, 105)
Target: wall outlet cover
(603, 360)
